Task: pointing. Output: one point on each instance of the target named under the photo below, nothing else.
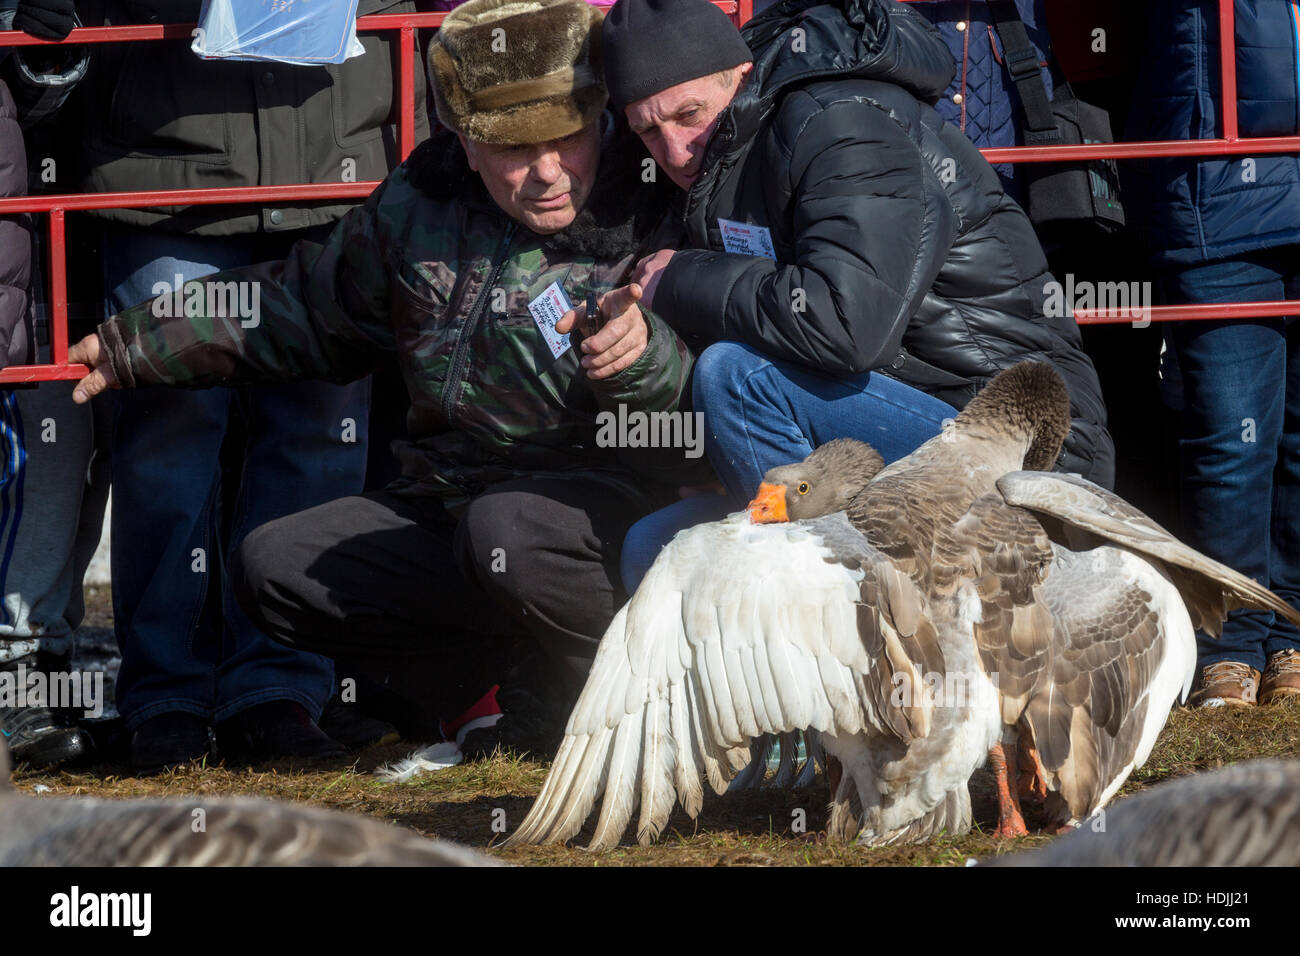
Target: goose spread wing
(1074, 641)
(1209, 589)
(737, 630)
(1121, 653)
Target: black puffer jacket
(896, 248)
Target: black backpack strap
(1022, 62)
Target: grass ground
(465, 803)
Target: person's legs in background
(165, 450)
(516, 592)
(165, 541)
(306, 445)
(546, 550)
(372, 581)
(1234, 386)
(45, 448)
(1281, 677)
(760, 413)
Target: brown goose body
(957, 604)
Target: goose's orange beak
(768, 505)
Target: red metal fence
(56, 206)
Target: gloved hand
(47, 19)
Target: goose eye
(803, 488)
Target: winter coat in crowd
(1193, 210)
(159, 117)
(896, 247)
(981, 100)
(16, 344)
(431, 269)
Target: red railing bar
(181, 31)
(1228, 68)
(359, 190)
(187, 197)
(406, 94)
(16, 374)
(58, 290)
(1191, 313)
(308, 191)
(1135, 150)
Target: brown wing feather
(1209, 589)
(1073, 648)
(1005, 554)
(899, 639)
(902, 515)
(1087, 719)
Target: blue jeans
(760, 413)
(1239, 452)
(184, 649)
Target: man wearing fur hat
(505, 526)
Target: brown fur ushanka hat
(518, 71)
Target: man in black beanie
(853, 257)
(664, 45)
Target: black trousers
(392, 584)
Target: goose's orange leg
(1010, 821)
(1032, 781)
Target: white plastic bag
(302, 32)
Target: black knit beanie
(650, 45)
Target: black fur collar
(620, 213)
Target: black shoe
(536, 699)
(353, 728)
(276, 730)
(40, 736)
(169, 740)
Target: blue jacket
(981, 100)
(1198, 210)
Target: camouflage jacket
(431, 269)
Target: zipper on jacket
(451, 387)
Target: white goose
(957, 604)
(234, 831)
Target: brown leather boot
(1227, 684)
(1281, 677)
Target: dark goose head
(822, 484)
(1027, 402)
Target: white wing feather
(700, 662)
